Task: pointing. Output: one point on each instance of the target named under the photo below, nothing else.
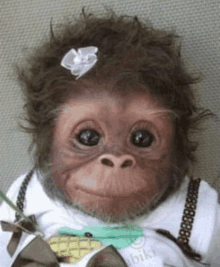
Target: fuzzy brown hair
(129, 52)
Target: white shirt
(52, 215)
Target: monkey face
(112, 156)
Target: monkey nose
(120, 162)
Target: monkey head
(112, 155)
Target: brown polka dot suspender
(189, 211)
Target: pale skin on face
(111, 190)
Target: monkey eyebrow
(163, 111)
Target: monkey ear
(107, 257)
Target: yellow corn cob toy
(74, 248)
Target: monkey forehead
(107, 105)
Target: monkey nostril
(126, 163)
(107, 162)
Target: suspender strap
(21, 194)
(189, 211)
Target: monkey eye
(88, 137)
(142, 138)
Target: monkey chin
(114, 209)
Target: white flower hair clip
(79, 62)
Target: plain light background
(24, 24)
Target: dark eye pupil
(89, 137)
(142, 138)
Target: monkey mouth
(92, 193)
